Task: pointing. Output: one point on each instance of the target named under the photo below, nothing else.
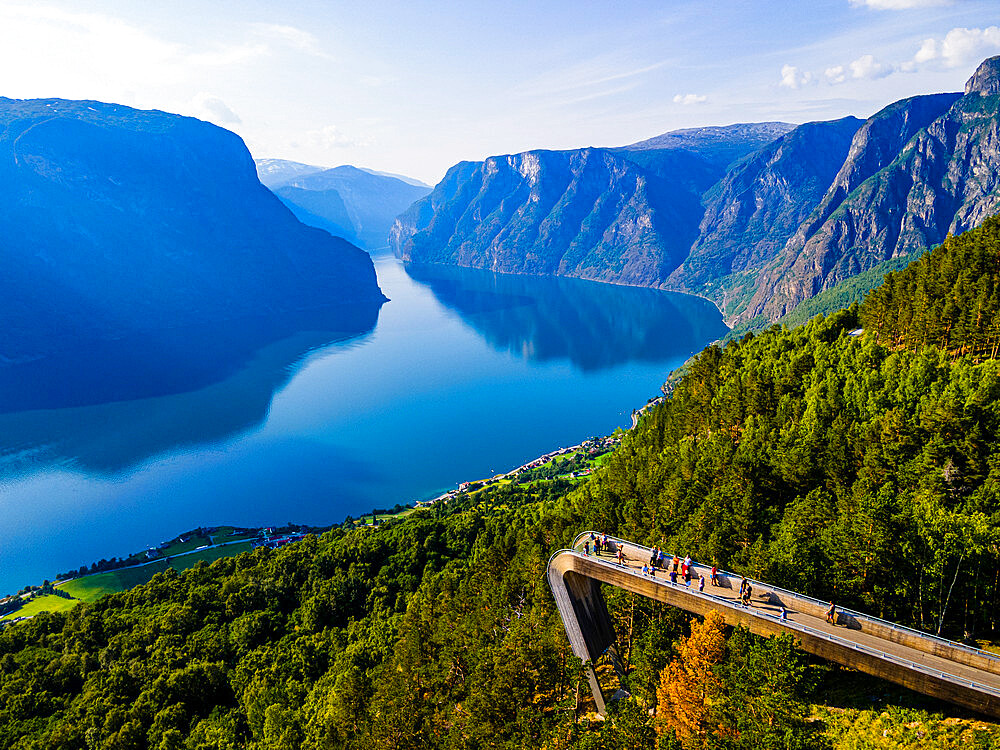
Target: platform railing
(994, 658)
(792, 625)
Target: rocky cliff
(756, 217)
(589, 213)
(919, 170)
(752, 210)
(626, 215)
(120, 222)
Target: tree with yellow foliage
(689, 685)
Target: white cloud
(958, 47)
(290, 36)
(332, 137)
(867, 67)
(928, 51)
(898, 4)
(836, 74)
(687, 99)
(962, 46)
(791, 78)
(208, 107)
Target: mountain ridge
(355, 203)
(766, 224)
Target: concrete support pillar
(585, 616)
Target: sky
(414, 86)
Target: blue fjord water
(465, 374)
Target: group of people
(683, 569)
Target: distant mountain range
(756, 217)
(122, 223)
(357, 204)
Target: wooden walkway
(919, 661)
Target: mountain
(401, 177)
(356, 204)
(589, 213)
(752, 210)
(721, 146)
(627, 215)
(119, 222)
(274, 172)
(756, 217)
(920, 170)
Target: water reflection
(108, 406)
(596, 326)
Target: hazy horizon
(411, 90)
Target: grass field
(93, 587)
(47, 603)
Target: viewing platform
(919, 661)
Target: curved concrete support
(925, 663)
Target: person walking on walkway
(586, 548)
(715, 575)
(831, 614)
(645, 569)
(621, 561)
(673, 577)
(676, 562)
(747, 593)
(701, 584)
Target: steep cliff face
(118, 222)
(589, 213)
(919, 170)
(626, 215)
(755, 217)
(752, 210)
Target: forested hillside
(948, 298)
(811, 457)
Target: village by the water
(205, 544)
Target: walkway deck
(919, 661)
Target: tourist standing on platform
(701, 584)
(676, 562)
(831, 614)
(621, 560)
(715, 575)
(673, 577)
